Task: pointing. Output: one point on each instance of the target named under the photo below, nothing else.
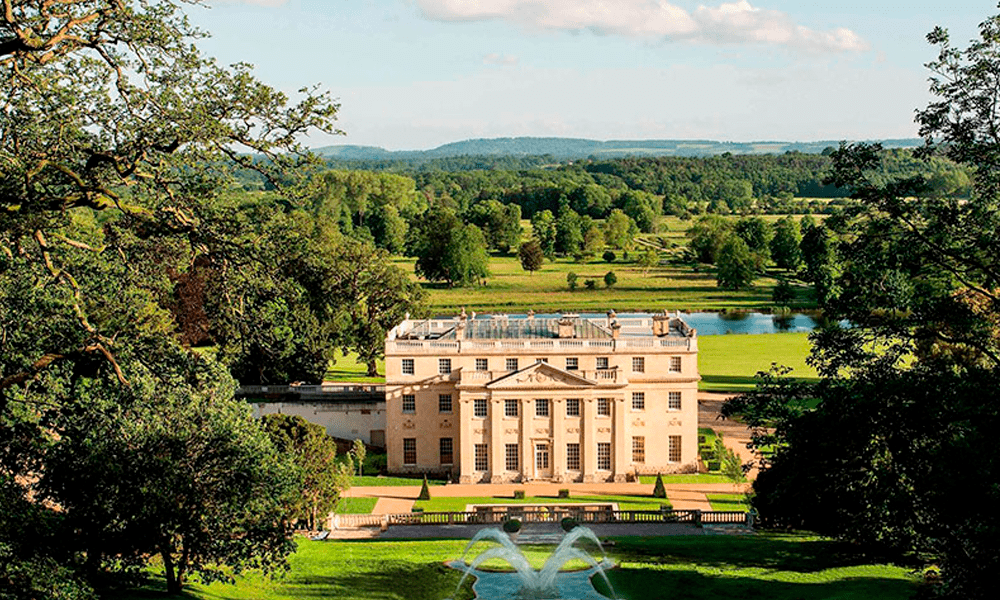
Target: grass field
(458, 504)
(729, 502)
(355, 506)
(728, 363)
(772, 566)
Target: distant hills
(573, 148)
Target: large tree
(911, 388)
(449, 250)
(117, 143)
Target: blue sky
(414, 74)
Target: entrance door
(543, 465)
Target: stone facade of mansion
(567, 398)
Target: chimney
(661, 324)
(567, 327)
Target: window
(544, 360)
(604, 407)
(409, 451)
(639, 449)
(572, 457)
(482, 462)
(542, 407)
(482, 364)
(407, 366)
(675, 364)
(674, 400)
(479, 407)
(510, 408)
(572, 364)
(638, 364)
(573, 407)
(409, 403)
(602, 362)
(444, 403)
(444, 366)
(638, 400)
(513, 464)
(674, 448)
(447, 454)
(511, 364)
(603, 456)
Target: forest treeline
(787, 183)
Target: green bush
(571, 278)
(568, 523)
(701, 440)
(425, 491)
(708, 455)
(512, 525)
(610, 279)
(658, 490)
(518, 494)
(714, 465)
(609, 256)
(590, 284)
(564, 493)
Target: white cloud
(500, 60)
(729, 23)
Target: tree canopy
(910, 389)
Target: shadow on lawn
(644, 584)
(420, 582)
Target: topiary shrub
(568, 523)
(564, 493)
(518, 494)
(658, 490)
(512, 525)
(425, 491)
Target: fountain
(527, 583)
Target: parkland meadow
(766, 565)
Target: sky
(415, 74)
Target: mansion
(521, 398)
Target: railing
(543, 515)
(312, 390)
(470, 346)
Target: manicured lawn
(695, 478)
(512, 289)
(458, 504)
(346, 368)
(355, 506)
(728, 502)
(728, 363)
(380, 481)
(771, 566)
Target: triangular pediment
(540, 375)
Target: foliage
(648, 259)
(543, 227)
(783, 293)
(314, 453)
(610, 279)
(620, 230)
(358, 453)
(736, 265)
(530, 255)
(119, 147)
(708, 235)
(571, 280)
(909, 388)
(450, 251)
(425, 491)
(658, 490)
(609, 256)
(512, 525)
(590, 284)
(785, 244)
